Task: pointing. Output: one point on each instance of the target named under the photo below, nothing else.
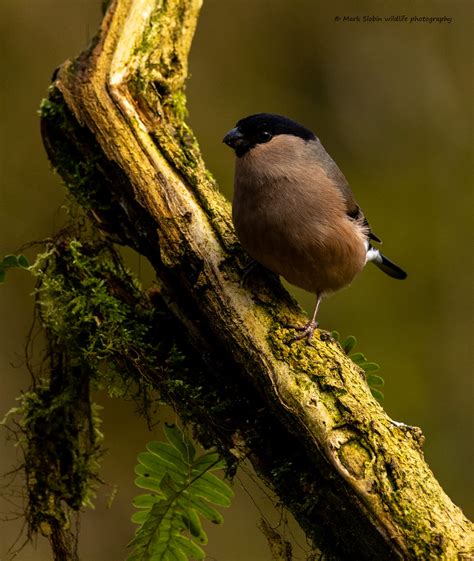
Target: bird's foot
(307, 332)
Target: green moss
(177, 103)
(49, 108)
(101, 332)
(148, 40)
(95, 308)
(303, 358)
(74, 153)
(59, 431)
(91, 337)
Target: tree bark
(114, 128)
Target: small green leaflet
(181, 490)
(374, 381)
(10, 262)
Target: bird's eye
(264, 136)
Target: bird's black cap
(261, 128)
(274, 124)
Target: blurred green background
(391, 102)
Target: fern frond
(182, 489)
(374, 382)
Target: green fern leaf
(182, 489)
(146, 479)
(154, 466)
(335, 335)
(193, 501)
(217, 485)
(148, 545)
(209, 462)
(176, 554)
(145, 501)
(192, 522)
(358, 358)
(140, 516)
(190, 548)
(23, 262)
(369, 367)
(168, 457)
(148, 483)
(182, 444)
(374, 380)
(349, 343)
(9, 261)
(210, 491)
(377, 394)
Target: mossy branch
(113, 126)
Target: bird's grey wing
(337, 177)
(358, 215)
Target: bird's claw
(307, 332)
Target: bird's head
(262, 128)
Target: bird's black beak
(234, 138)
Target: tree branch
(113, 126)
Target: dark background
(391, 102)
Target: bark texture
(114, 128)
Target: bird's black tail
(390, 268)
(385, 265)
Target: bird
(294, 212)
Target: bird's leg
(307, 330)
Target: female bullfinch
(294, 211)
